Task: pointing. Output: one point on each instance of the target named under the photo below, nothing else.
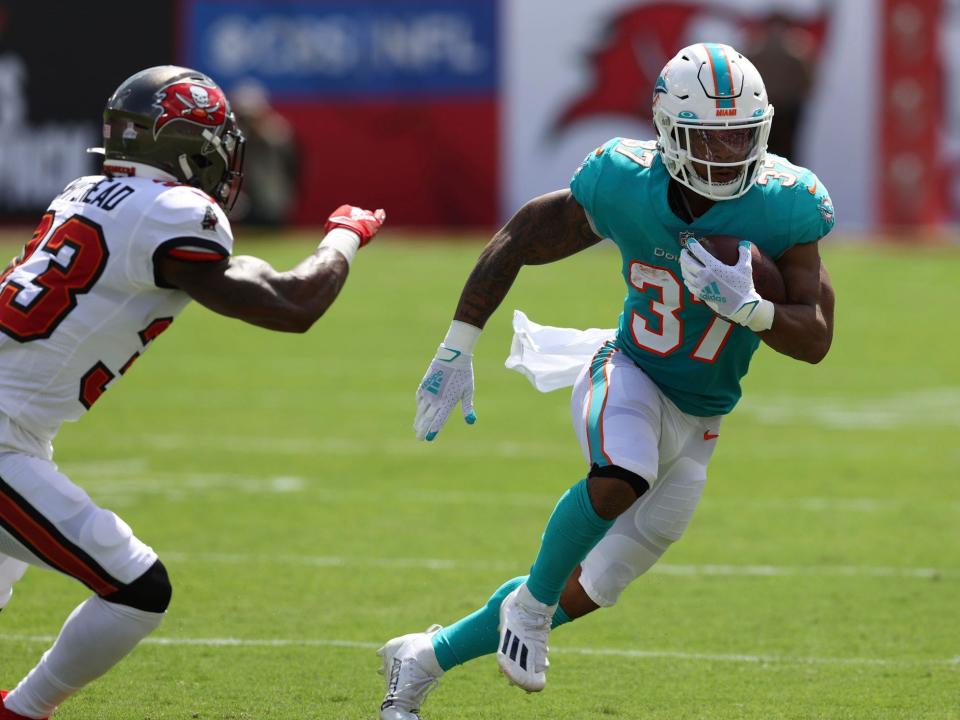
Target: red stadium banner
(429, 164)
(912, 177)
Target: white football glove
(727, 289)
(448, 381)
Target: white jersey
(83, 300)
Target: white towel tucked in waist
(552, 357)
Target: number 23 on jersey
(39, 289)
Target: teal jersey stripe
(598, 399)
(721, 76)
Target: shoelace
(542, 622)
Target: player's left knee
(151, 592)
(665, 522)
(635, 482)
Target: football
(766, 275)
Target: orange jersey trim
(195, 255)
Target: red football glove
(363, 222)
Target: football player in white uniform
(115, 258)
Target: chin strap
(185, 167)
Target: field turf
(303, 525)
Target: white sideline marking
(934, 407)
(352, 447)
(121, 482)
(219, 642)
(660, 568)
(605, 652)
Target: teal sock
(477, 633)
(559, 618)
(572, 531)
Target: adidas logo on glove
(432, 384)
(711, 293)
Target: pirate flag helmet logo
(191, 102)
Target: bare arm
(803, 325)
(547, 228)
(249, 289)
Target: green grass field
(303, 525)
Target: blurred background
(451, 113)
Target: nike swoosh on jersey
(707, 435)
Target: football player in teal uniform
(647, 407)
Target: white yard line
(931, 407)
(326, 445)
(121, 482)
(920, 573)
(760, 659)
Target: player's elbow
(297, 328)
(305, 305)
(817, 350)
(293, 318)
(814, 358)
(302, 320)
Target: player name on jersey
(103, 192)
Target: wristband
(462, 336)
(762, 317)
(344, 241)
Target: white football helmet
(712, 117)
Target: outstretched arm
(548, 228)
(251, 290)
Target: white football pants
(622, 418)
(47, 521)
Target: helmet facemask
(720, 161)
(218, 169)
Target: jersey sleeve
(812, 216)
(183, 223)
(588, 179)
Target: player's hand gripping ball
(727, 289)
(766, 275)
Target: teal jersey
(695, 357)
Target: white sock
(96, 636)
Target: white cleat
(524, 627)
(411, 670)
